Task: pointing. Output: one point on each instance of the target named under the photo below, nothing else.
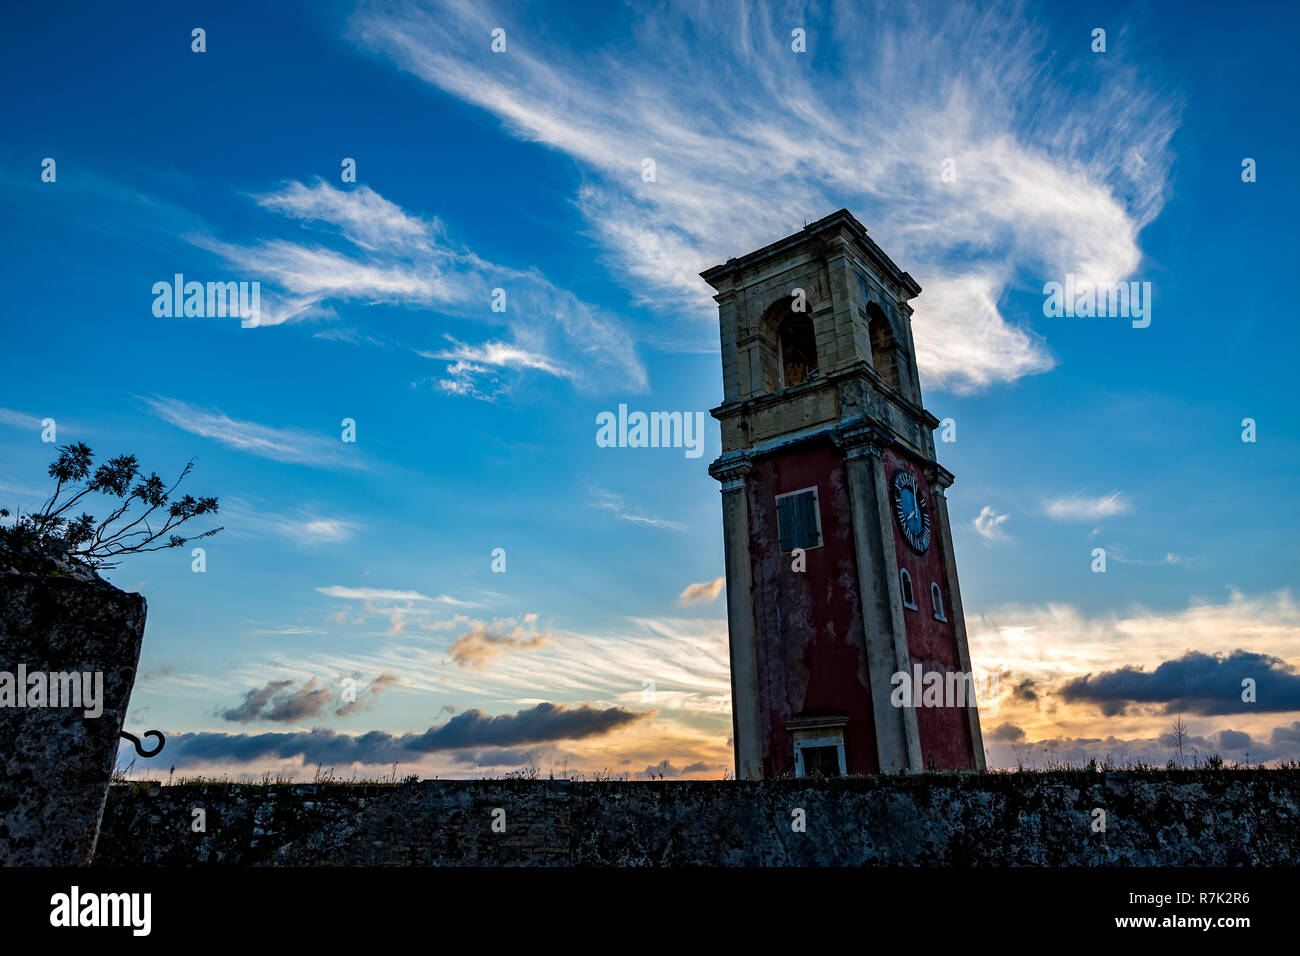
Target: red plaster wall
(945, 736)
(811, 652)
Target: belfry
(839, 561)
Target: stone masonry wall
(1174, 818)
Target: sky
(473, 585)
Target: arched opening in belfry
(884, 347)
(798, 344)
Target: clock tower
(848, 645)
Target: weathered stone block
(56, 762)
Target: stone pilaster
(844, 340)
(898, 741)
(748, 734)
(941, 478)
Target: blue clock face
(907, 503)
(911, 511)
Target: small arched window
(798, 343)
(936, 601)
(909, 598)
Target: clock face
(911, 511)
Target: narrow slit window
(936, 601)
(909, 597)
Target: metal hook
(162, 742)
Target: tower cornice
(842, 222)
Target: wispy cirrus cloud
(286, 630)
(315, 528)
(385, 594)
(751, 139)
(685, 659)
(1079, 507)
(1121, 556)
(290, 445)
(1061, 639)
(16, 419)
(363, 216)
(389, 256)
(475, 369)
(608, 501)
(300, 526)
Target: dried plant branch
(98, 543)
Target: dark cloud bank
(544, 723)
(279, 702)
(1196, 683)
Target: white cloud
(1061, 639)
(499, 354)
(18, 419)
(473, 365)
(608, 501)
(278, 444)
(20, 489)
(383, 594)
(314, 528)
(362, 215)
(1121, 556)
(1077, 507)
(486, 643)
(303, 527)
(702, 591)
(288, 630)
(962, 340)
(393, 257)
(750, 140)
(989, 524)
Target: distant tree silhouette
(142, 514)
(1178, 734)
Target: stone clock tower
(840, 570)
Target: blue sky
(522, 170)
